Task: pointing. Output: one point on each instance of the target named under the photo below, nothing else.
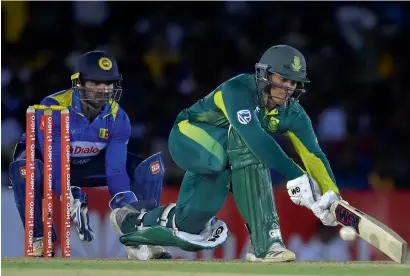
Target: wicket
(46, 124)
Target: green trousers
(199, 149)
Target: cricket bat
(371, 230)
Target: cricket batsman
(224, 140)
(99, 134)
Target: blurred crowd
(173, 53)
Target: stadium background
(171, 54)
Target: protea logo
(296, 65)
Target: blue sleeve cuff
(121, 199)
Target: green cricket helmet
(100, 68)
(286, 62)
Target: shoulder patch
(63, 98)
(244, 116)
(114, 106)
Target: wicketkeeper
(99, 134)
(224, 140)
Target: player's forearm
(270, 153)
(115, 164)
(305, 142)
(327, 185)
(118, 183)
(314, 160)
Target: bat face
(371, 230)
(347, 218)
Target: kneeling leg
(190, 223)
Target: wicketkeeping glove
(79, 214)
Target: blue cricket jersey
(108, 134)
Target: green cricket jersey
(235, 103)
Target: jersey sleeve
(305, 143)
(56, 147)
(236, 104)
(116, 156)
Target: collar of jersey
(76, 105)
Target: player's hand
(144, 204)
(321, 208)
(79, 214)
(303, 191)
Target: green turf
(12, 266)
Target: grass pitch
(110, 267)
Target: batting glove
(303, 191)
(321, 208)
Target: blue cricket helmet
(99, 67)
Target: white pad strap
(141, 218)
(164, 216)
